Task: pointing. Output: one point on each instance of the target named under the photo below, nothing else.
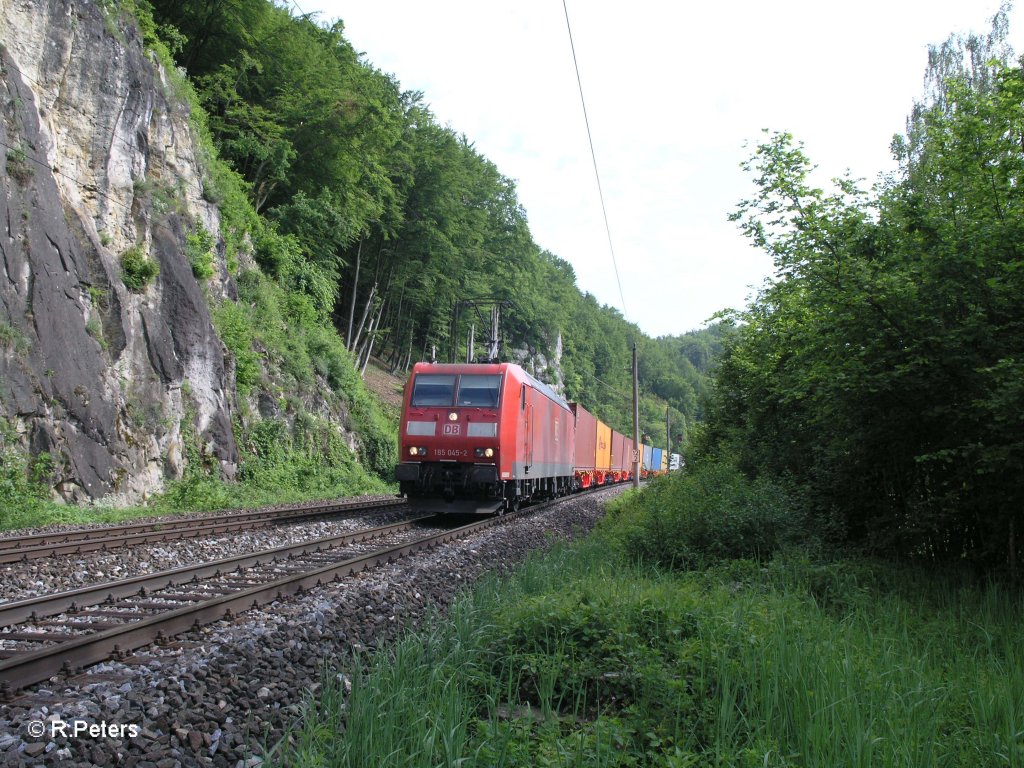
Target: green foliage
(710, 513)
(436, 221)
(586, 650)
(98, 297)
(881, 369)
(18, 166)
(199, 251)
(137, 270)
(320, 228)
(310, 460)
(13, 340)
(291, 106)
(94, 328)
(313, 290)
(239, 222)
(197, 492)
(24, 480)
(246, 132)
(577, 658)
(281, 461)
(234, 324)
(41, 468)
(278, 333)
(280, 465)
(378, 441)
(300, 350)
(162, 196)
(270, 320)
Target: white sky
(673, 91)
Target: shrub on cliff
(24, 479)
(199, 250)
(137, 271)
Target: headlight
(417, 451)
(484, 453)
(453, 416)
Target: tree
(881, 368)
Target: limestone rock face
(547, 369)
(98, 157)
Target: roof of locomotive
(492, 369)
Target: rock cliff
(546, 368)
(119, 387)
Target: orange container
(604, 447)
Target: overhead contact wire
(593, 157)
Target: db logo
(451, 429)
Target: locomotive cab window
(433, 389)
(478, 390)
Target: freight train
(491, 433)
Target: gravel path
(216, 697)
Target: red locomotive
(491, 432)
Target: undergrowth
(588, 657)
(281, 463)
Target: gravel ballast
(47, 575)
(217, 696)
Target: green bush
(13, 340)
(199, 250)
(234, 325)
(18, 166)
(301, 346)
(24, 480)
(137, 271)
(710, 514)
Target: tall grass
(581, 658)
(406, 706)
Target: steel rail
(31, 667)
(21, 548)
(32, 608)
(69, 653)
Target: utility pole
(636, 421)
(492, 344)
(668, 434)
(453, 333)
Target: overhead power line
(624, 396)
(76, 182)
(593, 157)
(181, 182)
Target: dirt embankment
(388, 388)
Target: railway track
(59, 634)
(21, 548)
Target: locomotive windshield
(479, 390)
(433, 389)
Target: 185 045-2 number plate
(452, 453)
